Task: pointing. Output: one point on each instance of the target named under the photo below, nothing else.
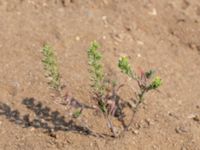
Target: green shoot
(96, 68)
(99, 82)
(155, 83)
(144, 81)
(51, 66)
(125, 67)
(77, 113)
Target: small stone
(104, 18)
(192, 45)
(19, 13)
(191, 116)
(32, 129)
(181, 130)
(78, 38)
(105, 2)
(139, 55)
(149, 121)
(153, 12)
(131, 104)
(91, 144)
(183, 148)
(196, 118)
(53, 134)
(140, 43)
(44, 4)
(135, 132)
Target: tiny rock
(138, 55)
(44, 4)
(194, 117)
(149, 121)
(78, 38)
(105, 2)
(140, 43)
(153, 12)
(32, 129)
(183, 148)
(135, 132)
(191, 116)
(181, 130)
(104, 18)
(53, 134)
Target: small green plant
(100, 84)
(105, 91)
(51, 66)
(96, 68)
(144, 81)
(77, 113)
(97, 74)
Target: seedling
(97, 75)
(96, 69)
(51, 66)
(144, 81)
(106, 103)
(77, 113)
(105, 91)
(107, 98)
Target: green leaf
(125, 67)
(149, 74)
(96, 68)
(77, 113)
(51, 66)
(155, 83)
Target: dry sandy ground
(160, 34)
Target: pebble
(53, 134)
(183, 148)
(44, 4)
(181, 130)
(104, 37)
(32, 129)
(104, 18)
(78, 38)
(153, 12)
(149, 122)
(105, 2)
(194, 117)
(140, 43)
(139, 55)
(135, 132)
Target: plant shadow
(45, 118)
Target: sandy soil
(160, 34)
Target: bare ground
(160, 34)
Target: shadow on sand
(45, 118)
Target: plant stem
(111, 125)
(140, 101)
